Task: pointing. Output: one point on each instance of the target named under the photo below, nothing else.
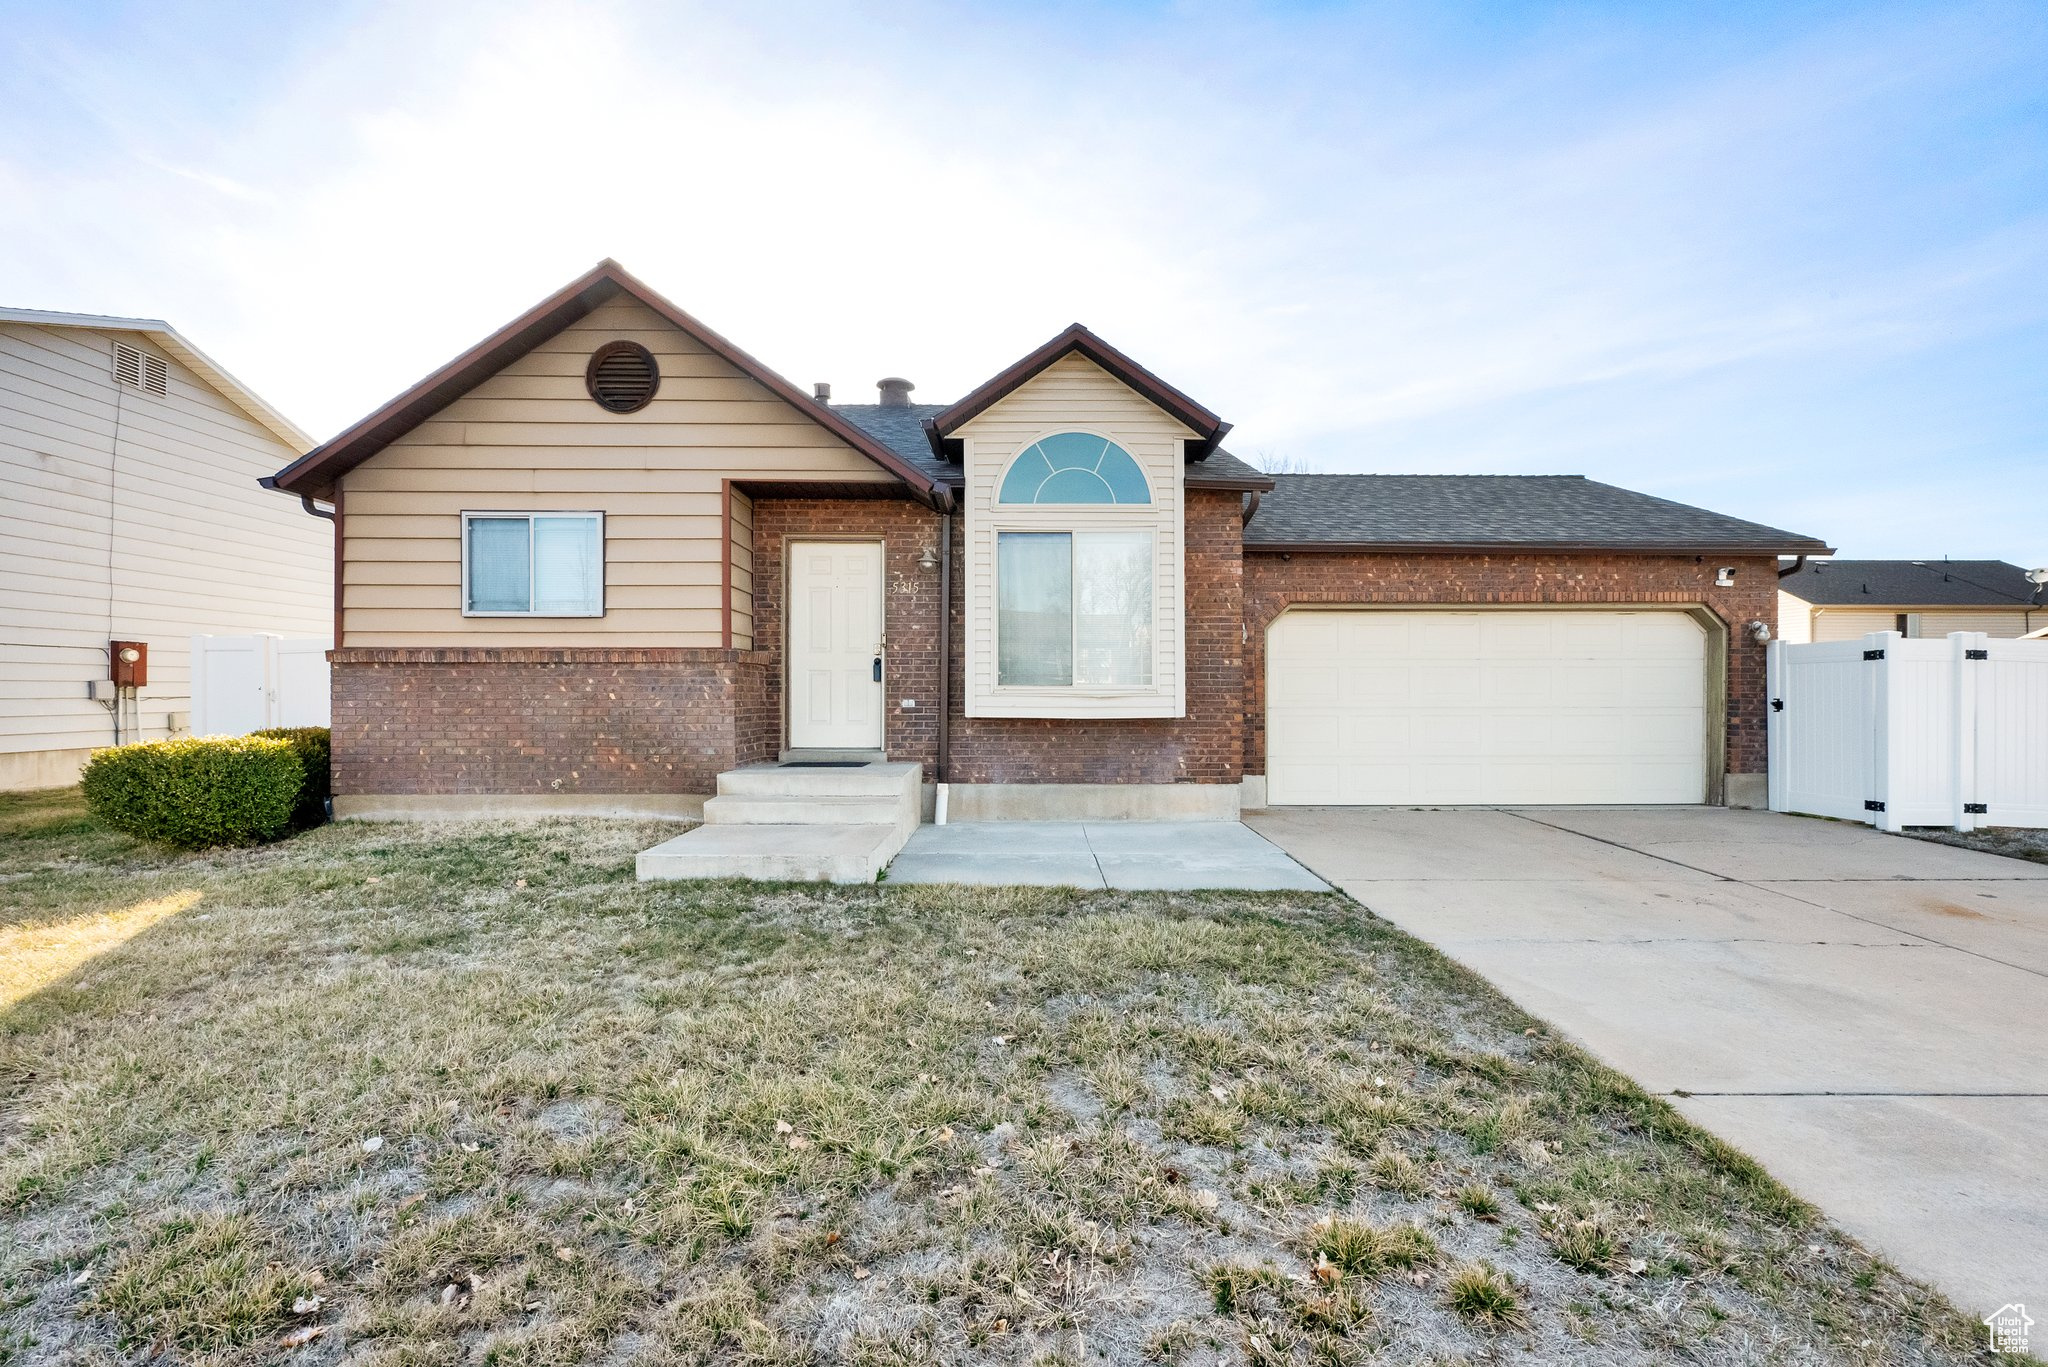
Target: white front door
(835, 639)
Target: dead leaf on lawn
(1207, 1200)
(798, 1142)
(82, 1278)
(566, 1255)
(1216, 1090)
(784, 1127)
(861, 1274)
(299, 1338)
(945, 1134)
(306, 1305)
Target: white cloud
(1360, 236)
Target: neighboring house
(1841, 600)
(127, 513)
(605, 555)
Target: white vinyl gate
(1899, 732)
(247, 683)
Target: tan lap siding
(531, 439)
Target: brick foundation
(521, 720)
(1273, 583)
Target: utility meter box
(131, 663)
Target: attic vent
(622, 377)
(149, 373)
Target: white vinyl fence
(246, 683)
(1898, 732)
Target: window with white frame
(1074, 609)
(533, 564)
(1073, 600)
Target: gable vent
(622, 377)
(149, 373)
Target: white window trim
(1068, 527)
(530, 515)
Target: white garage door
(1536, 706)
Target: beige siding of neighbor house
(1074, 394)
(126, 515)
(530, 439)
(1799, 620)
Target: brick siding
(523, 720)
(1273, 583)
(594, 721)
(1202, 747)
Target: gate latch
(1977, 808)
(1872, 805)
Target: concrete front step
(777, 780)
(809, 854)
(745, 809)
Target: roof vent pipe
(895, 392)
(822, 392)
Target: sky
(1786, 260)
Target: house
(129, 522)
(605, 556)
(1841, 600)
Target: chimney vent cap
(895, 391)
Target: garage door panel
(1477, 707)
(1378, 686)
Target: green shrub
(198, 791)
(311, 745)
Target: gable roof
(1496, 512)
(191, 357)
(1911, 583)
(1078, 339)
(314, 473)
(902, 427)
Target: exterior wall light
(1724, 578)
(929, 560)
(1759, 631)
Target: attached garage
(1483, 706)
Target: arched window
(1074, 467)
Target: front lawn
(416, 1095)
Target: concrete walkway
(1101, 854)
(1865, 1014)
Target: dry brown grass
(756, 1124)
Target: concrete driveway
(1865, 1014)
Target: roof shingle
(1911, 583)
(1511, 512)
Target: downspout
(939, 774)
(1251, 508)
(1793, 568)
